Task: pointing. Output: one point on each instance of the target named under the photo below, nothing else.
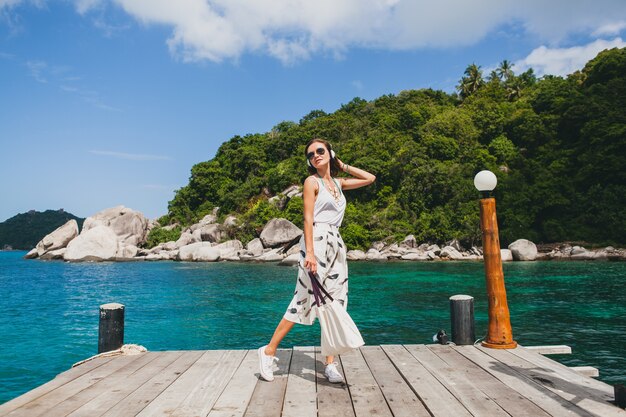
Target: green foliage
(25, 230)
(160, 235)
(556, 144)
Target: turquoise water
(49, 310)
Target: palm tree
(505, 70)
(514, 87)
(472, 81)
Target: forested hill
(557, 145)
(24, 230)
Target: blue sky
(108, 102)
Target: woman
(321, 248)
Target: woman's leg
(279, 334)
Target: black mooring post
(462, 319)
(111, 329)
(620, 395)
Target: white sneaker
(266, 364)
(332, 373)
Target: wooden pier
(388, 380)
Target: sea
(49, 309)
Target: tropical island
(557, 145)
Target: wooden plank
(367, 398)
(61, 379)
(400, 398)
(171, 398)
(550, 349)
(106, 400)
(437, 399)
(107, 384)
(46, 402)
(205, 391)
(507, 398)
(333, 400)
(142, 396)
(472, 398)
(267, 398)
(301, 393)
(565, 372)
(590, 400)
(550, 402)
(588, 371)
(236, 396)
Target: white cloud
(131, 156)
(609, 29)
(83, 6)
(9, 3)
(563, 61)
(36, 70)
(357, 84)
(294, 30)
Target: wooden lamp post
(500, 334)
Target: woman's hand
(341, 164)
(310, 262)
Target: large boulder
(272, 256)
(290, 260)
(409, 242)
(375, 255)
(206, 254)
(255, 247)
(126, 252)
(58, 239)
(99, 243)
(54, 254)
(186, 238)
(523, 250)
(355, 255)
(278, 232)
(506, 255)
(415, 256)
(210, 233)
(229, 249)
(451, 252)
(130, 226)
(192, 252)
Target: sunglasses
(319, 151)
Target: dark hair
(334, 165)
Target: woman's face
(317, 154)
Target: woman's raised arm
(361, 178)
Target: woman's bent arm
(361, 177)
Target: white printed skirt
(332, 271)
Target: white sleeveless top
(326, 209)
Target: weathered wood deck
(389, 380)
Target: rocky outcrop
(230, 221)
(409, 242)
(98, 243)
(279, 232)
(523, 250)
(451, 252)
(58, 239)
(130, 226)
(210, 233)
(355, 255)
(283, 198)
(187, 252)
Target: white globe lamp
(485, 181)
